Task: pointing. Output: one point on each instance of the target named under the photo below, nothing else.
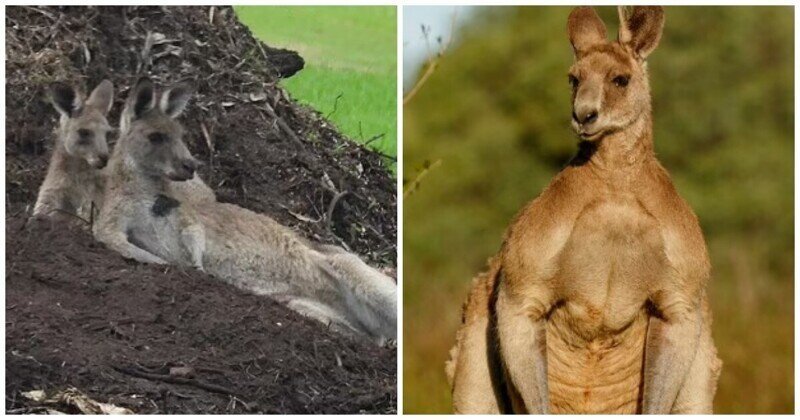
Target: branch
(415, 183)
(433, 62)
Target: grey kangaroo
(141, 220)
(75, 179)
(74, 182)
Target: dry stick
(175, 380)
(433, 62)
(145, 53)
(331, 207)
(209, 141)
(282, 124)
(432, 65)
(415, 183)
(263, 53)
(41, 11)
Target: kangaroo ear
(65, 99)
(640, 28)
(585, 29)
(143, 97)
(102, 97)
(175, 99)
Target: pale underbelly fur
(596, 334)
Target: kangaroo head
(610, 90)
(83, 125)
(152, 138)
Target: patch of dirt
(77, 313)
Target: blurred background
(490, 127)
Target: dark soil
(79, 315)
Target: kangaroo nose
(189, 166)
(585, 117)
(102, 160)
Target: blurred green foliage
(497, 114)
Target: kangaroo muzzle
(99, 162)
(184, 170)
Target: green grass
(350, 54)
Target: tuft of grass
(351, 64)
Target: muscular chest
(613, 255)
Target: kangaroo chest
(155, 227)
(614, 254)
(596, 335)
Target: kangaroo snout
(190, 165)
(184, 170)
(100, 161)
(585, 116)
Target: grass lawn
(350, 53)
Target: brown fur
(596, 302)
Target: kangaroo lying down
(75, 178)
(141, 220)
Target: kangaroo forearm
(697, 392)
(117, 240)
(129, 250)
(671, 349)
(472, 371)
(521, 333)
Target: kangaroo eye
(621, 81)
(573, 81)
(85, 136)
(157, 138)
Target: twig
(40, 11)
(175, 380)
(432, 65)
(263, 53)
(331, 207)
(282, 124)
(433, 62)
(207, 136)
(145, 53)
(415, 183)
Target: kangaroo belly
(600, 375)
(254, 252)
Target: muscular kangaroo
(140, 220)
(596, 302)
(74, 182)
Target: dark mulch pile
(77, 313)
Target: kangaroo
(140, 220)
(75, 178)
(74, 182)
(596, 302)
